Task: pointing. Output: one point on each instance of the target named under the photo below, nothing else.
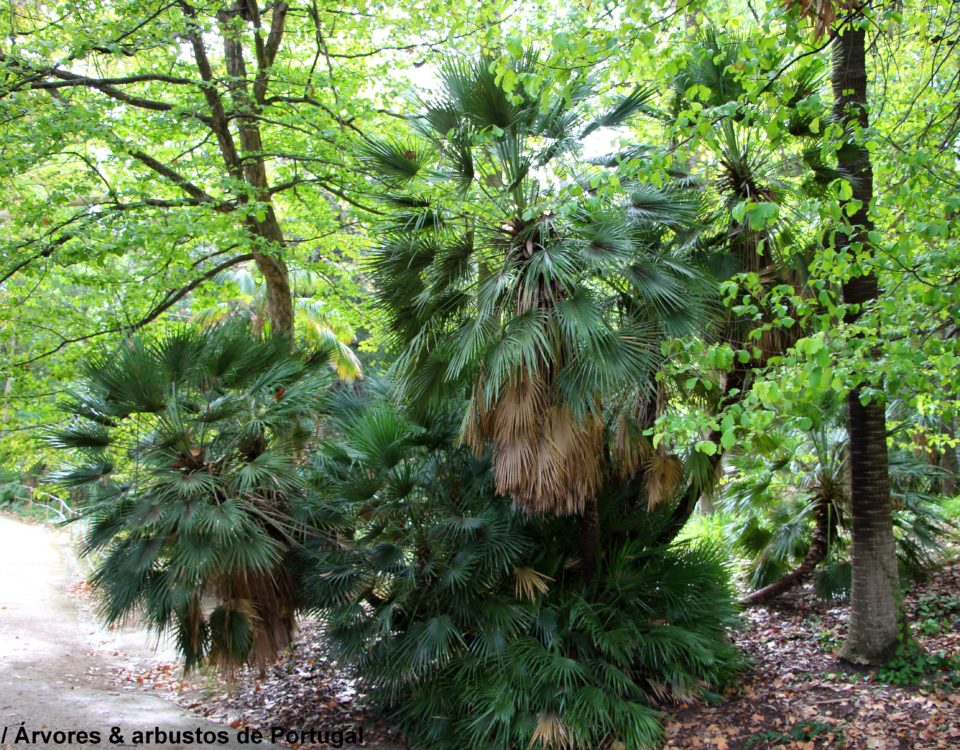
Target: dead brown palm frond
(194, 625)
(520, 411)
(476, 425)
(529, 583)
(548, 461)
(550, 733)
(552, 468)
(822, 12)
(663, 473)
(629, 447)
(265, 601)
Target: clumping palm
(191, 452)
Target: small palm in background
(795, 492)
(190, 457)
(753, 174)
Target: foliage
(471, 624)
(321, 324)
(803, 731)
(912, 666)
(12, 489)
(151, 145)
(189, 453)
(771, 502)
(612, 267)
(938, 613)
(501, 266)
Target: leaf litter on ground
(796, 694)
(799, 695)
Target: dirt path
(52, 676)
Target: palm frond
(621, 112)
(393, 160)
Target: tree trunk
(246, 108)
(247, 164)
(815, 555)
(279, 299)
(589, 524)
(874, 620)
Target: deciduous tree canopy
(442, 322)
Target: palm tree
(502, 269)
(791, 505)
(188, 452)
(754, 234)
(462, 616)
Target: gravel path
(53, 669)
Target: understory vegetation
(527, 352)
(470, 622)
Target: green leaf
(707, 446)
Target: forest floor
(798, 695)
(302, 689)
(795, 694)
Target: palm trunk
(589, 524)
(874, 621)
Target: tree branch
(218, 120)
(173, 297)
(277, 22)
(323, 183)
(35, 79)
(68, 79)
(316, 103)
(175, 177)
(170, 299)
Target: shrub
(189, 451)
(472, 625)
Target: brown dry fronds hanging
(552, 469)
(272, 595)
(545, 458)
(663, 473)
(550, 733)
(529, 584)
(630, 446)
